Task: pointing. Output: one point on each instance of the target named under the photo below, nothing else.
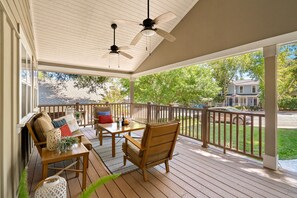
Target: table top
(53, 156)
(114, 128)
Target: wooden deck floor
(195, 172)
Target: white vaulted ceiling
(74, 32)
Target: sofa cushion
(41, 127)
(65, 131)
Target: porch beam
(270, 158)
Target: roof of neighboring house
(51, 93)
(245, 82)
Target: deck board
(194, 172)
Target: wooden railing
(239, 132)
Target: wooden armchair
(155, 147)
(96, 111)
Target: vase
(52, 139)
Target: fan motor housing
(148, 23)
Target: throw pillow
(42, 126)
(59, 123)
(46, 116)
(100, 113)
(105, 119)
(71, 121)
(65, 130)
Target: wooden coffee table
(48, 157)
(113, 129)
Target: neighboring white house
(243, 93)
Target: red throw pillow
(65, 130)
(105, 119)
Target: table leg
(113, 144)
(44, 170)
(100, 136)
(77, 166)
(85, 162)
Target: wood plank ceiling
(76, 32)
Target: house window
(253, 89)
(28, 83)
(241, 89)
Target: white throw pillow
(71, 121)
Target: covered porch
(194, 172)
(61, 36)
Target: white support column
(270, 158)
(131, 97)
(132, 90)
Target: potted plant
(66, 144)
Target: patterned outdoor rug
(114, 164)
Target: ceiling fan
(115, 50)
(148, 26)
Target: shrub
(287, 103)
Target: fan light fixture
(148, 32)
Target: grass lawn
(287, 138)
(287, 143)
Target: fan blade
(122, 21)
(105, 55)
(126, 55)
(165, 35)
(124, 48)
(168, 16)
(136, 39)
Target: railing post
(77, 106)
(204, 123)
(131, 110)
(149, 109)
(170, 112)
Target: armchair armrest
(78, 135)
(133, 141)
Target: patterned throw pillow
(71, 121)
(105, 119)
(65, 131)
(59, 123)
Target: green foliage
(224, 71)
(287, 70)
(287, 103)
(23, 186)
(92, 188)
(116, 93)
(184, 86)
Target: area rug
(114, 164)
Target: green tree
(185, 86)
(224, 71)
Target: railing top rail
(239, 113)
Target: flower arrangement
(66, 144)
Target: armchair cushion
(132, 151)
(105, 119)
